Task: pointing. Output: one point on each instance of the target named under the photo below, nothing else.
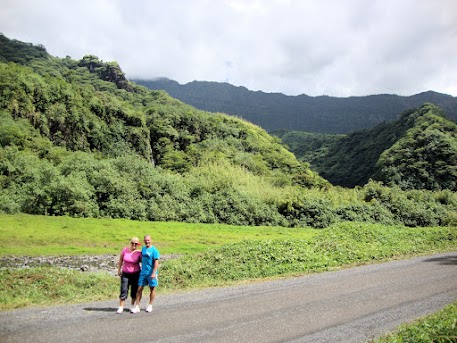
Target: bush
(314, 212)
(411, 208)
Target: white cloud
(340, 48)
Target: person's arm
(154, 268)
(119, 265)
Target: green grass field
(27, 235)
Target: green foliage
(36, 235)
(106, 71)
(315, 212)
(426, 157)
(350, 160)
(340, 245)
(19, 52)
(440, 327)
(86, 128)
(90, 114)
(414, 207)
(308, 146)
(79, 184)
(417, 151)
(46, 286)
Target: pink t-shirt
(131, 260)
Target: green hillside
(77, 138)
(89, 106)
(425, 157)
(417, 151)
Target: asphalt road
(351, 305)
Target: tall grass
(221, 174)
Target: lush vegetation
(321, 114)
(425, 157)
(417, 151)
(50, 286)
(440, 327)
(82, 184)
(308, 146)
(338, 246)
(78, 139)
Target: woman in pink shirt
(129, 271)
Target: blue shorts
(147, 280)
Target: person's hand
(119, 273)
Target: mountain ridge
(277, 111)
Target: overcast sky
(314, 47)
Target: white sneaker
(136, 309)
(120, 309)
(149, 308)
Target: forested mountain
(417, 151)
(77, 138)
(322, 114)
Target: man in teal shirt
(148, 277)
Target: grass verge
(50, 286)
(440, 327)
(341, 245)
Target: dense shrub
(411, 208)
(364, 212)
(315, 212)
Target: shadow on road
(444, 260)
(101, 309)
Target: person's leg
(136, 306)
(123, 293)
(134, 286)
(152, 295)
(139, 294)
